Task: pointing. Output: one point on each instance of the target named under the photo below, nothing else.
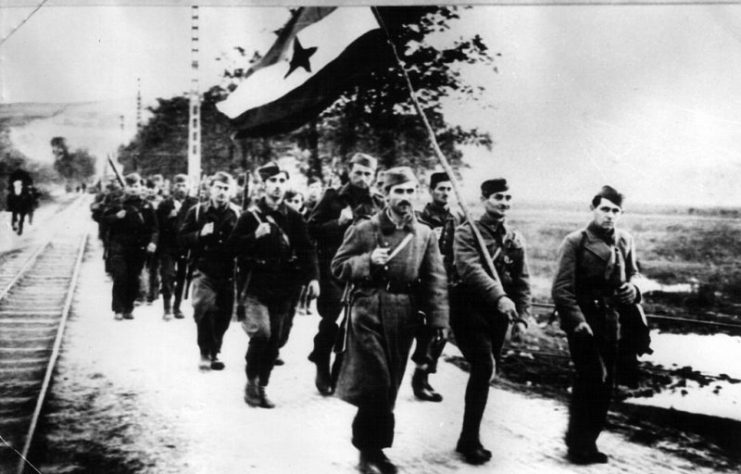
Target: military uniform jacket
(506, 246)
(326, 230)
(590, 267)
(169, 224)
(137, 228)
(278, 262)
(210, 253)
(443, 223)
(382, 323)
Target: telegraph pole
(194, 114)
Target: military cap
(491, 186)
(269, 170)
(437, 178)
(222, 177)
(363, 159)
(132, 178)
(398, 175)
(609, 193)
(180, 178)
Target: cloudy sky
(646, 98)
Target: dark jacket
(443, 223)
(383, 322)
(587, 277)
(278, 262)
(507, 247)
(326, 230)
(137, 228)
(210, 254)
(170, 225)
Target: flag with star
(318, 54)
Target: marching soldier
(437, 216)
(132, 235)
(335, 212)
(276, 256)
(173, 261)
(394, 266)
(483, 305)
(595, 293)
(205, 231)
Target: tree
(73, 167)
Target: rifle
(189, 257)
(119, 178)
(242, 283)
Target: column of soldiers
(399, 277)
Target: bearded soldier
(336, 211)
(394, 267)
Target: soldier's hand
(627, 293)
(207, 229)
(152, 247)
(379, 256)
(583, 329)
(313, 289)
(262, 230)
(518, 330)
(507, 307)
(121, 214)
(345, 216)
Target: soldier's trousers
(480, 335)
(125, 264)
(329, 308)
(17, 219)
(373, 426)
(213, 303)
(173, 269)
(265, 324)
(594, 360)
(154, 280)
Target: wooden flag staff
(443, 160)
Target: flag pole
(433, 139)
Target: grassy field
(673, 246)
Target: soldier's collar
(265, 209)
(499, 225)
(388, 226)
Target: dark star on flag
(300, 57)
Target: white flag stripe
(331, 36)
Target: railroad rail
(36, 289)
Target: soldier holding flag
(394, 266)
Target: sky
(645, 98)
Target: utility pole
(194, 114)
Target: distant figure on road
(132, 228)
(171, 214)
(205, 231)
(276, 256)
(483, 304)
(395, 270)
(595, 291)
(20, 203)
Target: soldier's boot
(118, 316)
(167, 315)
(473, 452)
(375, 462)
(422, 389)
(252, 393)
(323, 379)
(265, 402)
(205, 362)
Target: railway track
(36, 289)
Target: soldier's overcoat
(385, 304)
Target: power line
(2, 41)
